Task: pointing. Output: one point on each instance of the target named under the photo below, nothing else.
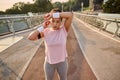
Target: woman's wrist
(40, 29)
(56, 15)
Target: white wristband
(40, 29)
(56, 15)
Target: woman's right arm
(37, 34)
(34, 35)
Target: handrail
(5, 64)
(106, 19)
(100, 22)
(29, 22)
(14, 17)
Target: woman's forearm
(33, 35)
(68, 19)
(66, 15)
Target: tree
(112, 6)
(44, 5)
(57, 5)
(76, 4)
(2, 12)
(29, 8)
(37, 6)
(49, 6)
(16, 9)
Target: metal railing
(13, 24)
(101, 23)
(17, 23)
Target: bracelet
(40, 29)
(56, 15)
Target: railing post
(12, 28)
(31, 16)
(118, 26)
(26, 21)
(101, 26)
(10, 24)
(107, 23)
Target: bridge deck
(78, 66)
(100, 58)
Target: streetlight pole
(70, 5)
(82, 6)
(62, 5)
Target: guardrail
(12, 67)
(17, 23)
(102, 23)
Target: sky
(5, 4)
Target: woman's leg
(49, 71)
(62, 70)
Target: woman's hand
(46, 23)
(48, 16)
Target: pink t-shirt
(55, 45)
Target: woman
(55, 36)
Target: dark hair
(56, 10)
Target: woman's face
(56, 22)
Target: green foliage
(77, 4)
(2, 12)
(23, 8)
(67, 6)
(72, 5)
(57, 5)
(112, 6)
(45, 6)
(98, 1)
(18, 8)
(85, 8)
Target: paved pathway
(101, 50)
(16, 56)
(91, 54)
(78, 67)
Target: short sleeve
(45, 32)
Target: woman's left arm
(68, 19)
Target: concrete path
(93, 55)
(8, 41)
(101, 50)
(78, 67)
(16, 55)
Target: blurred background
(36, 6)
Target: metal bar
(28, 20)
(92, 19)
(106, 25)
(118, 26)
